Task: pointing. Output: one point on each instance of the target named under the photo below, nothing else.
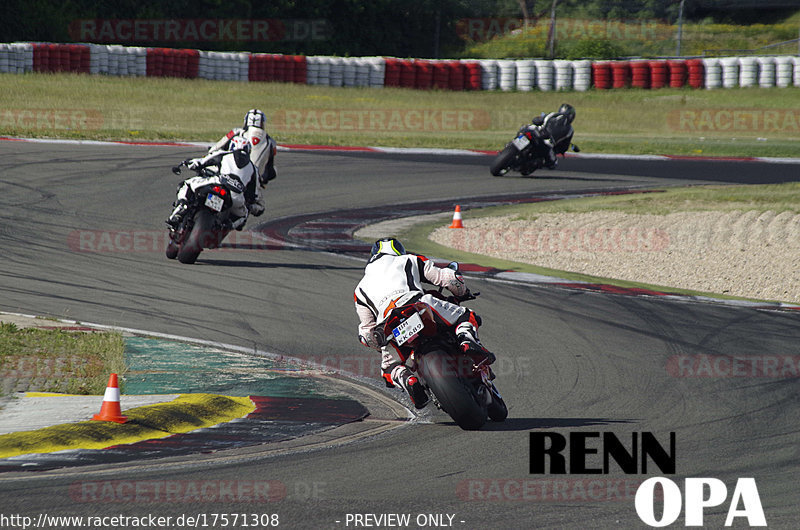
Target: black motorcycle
(206, 221)
(525, 153)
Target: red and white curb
(410, 150)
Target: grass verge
(52, 360)
(774, 197)
(725, 122)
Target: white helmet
(255, 118)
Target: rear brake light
(219, 190)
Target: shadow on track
(556, 178)
(265, 265)
(526, 424)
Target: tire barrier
(640, 74)
(620, 74)
(712, 73)
(659, 74)
(506, 75)
(16, 58)
(730, 72)
(167, 62)
(582, 75)
(474, 75)
(796, 61)
(118, 60)
(677, 73)
(489, 73)
(784, 69)
(563, 72)
(457, 75)
(49, 57)
(524, 75)
(440, 75)
(766, 72)
(223, 66)
(602, 75)
(269, 67)
(748, 71)
(545, 75)
(695, 70)
(392, 72)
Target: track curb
(186, 413)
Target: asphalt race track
(569, 360)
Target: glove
(376, 340)
(194, 164)
(256, 208)
(457, 285)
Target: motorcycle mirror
(176, 170)
(453, 265)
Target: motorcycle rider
(264, 146)
(556, 130)
(393, 277)
(236, 171)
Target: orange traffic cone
(110, 410)
(457, 218)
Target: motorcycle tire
(502, 161)
(456, 395)
(193, 244)
(172, 250)
(497, 409)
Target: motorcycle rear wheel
(502, 162)
(457, 397)
(193, 244)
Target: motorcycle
(457, 383)
(525, 153)
(206, 221)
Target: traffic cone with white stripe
(457, 218)
(110, 410)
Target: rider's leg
(397, 373)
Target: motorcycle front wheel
(502, 161)
(446, 376)
(172, 249)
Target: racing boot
(177, 214)
(406, 379)
(550, 160)
(467, 335)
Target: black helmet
(567, 110)
(388, 245)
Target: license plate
(214, 202)
(521, 142)
(408, 329)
